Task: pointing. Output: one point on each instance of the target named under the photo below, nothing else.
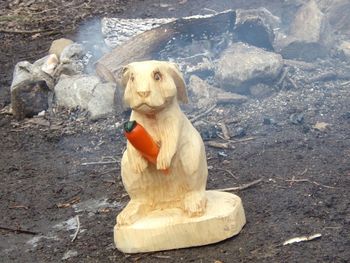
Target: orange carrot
(142, 141)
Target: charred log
(148, 44)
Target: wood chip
(301, 239)
(220, 145)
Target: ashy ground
(297, 141)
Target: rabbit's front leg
(137, 162)
(169, 137)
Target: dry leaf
(321, 126)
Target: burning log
(147, 45)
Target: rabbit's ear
(125, 75)
(179, 82)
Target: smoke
(91, 37)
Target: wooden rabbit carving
(153, 90)
(169, 206)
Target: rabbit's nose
(143, 94)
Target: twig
(291, 81)
(242, 187)
(243, 140)
(19, 206)
(300, 64)
(345, 83)
(102, 162)
(309, 181)
(193, 119)
(227, 171)
(225, 131)
(325, 76)
(162, 256)
(283, 75)
(19, 230)
(78, 228)
(109, 181)
(24, 31)
(221, 145)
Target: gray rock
(86, 92)
(30, 90)
(200, 91)
(256, 27)
(337, 12)
(103, 100)
(310, 35)
(71, 60)
(71, 52)
(241, 66)
(204, 95)
(47, 64)
(75, 90)
(58, 45)
(344, 47)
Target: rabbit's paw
(195, 203)
(163, 161)
(131, 213)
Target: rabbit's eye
(157, 75)
(132, 77)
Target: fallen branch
(8, 31)
(243, 140)
(220, 145)
(100, 163)
(291, 81)
(78, 228)
(227, 171)
(193, 119)
(19, 206)
(225, 131)
(19, 230)
(283, 75)
(242, 187)
(309, 181)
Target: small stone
(239, 132)
(42, 113)
(70, 254)
(269, 121)
(296, 118)
(58, 45)
(207, 131)
(346, 115)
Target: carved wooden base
(171, 228)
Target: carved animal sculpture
(153, 90)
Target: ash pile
(229, 57)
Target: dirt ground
(48, 176)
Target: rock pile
(249, 60)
